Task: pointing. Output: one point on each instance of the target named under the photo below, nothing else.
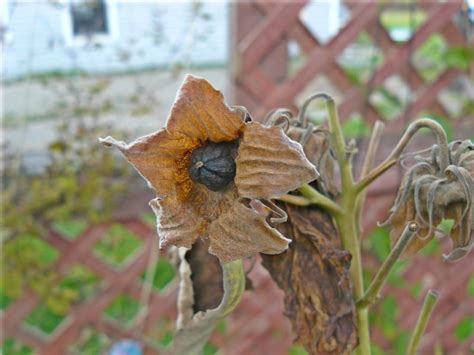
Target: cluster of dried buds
(431, 192)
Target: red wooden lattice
(262, 32)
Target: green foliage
(470, 286)
(70, 229)
(164, 274)
(355, 127)
(459, 57)
(13, 347)
(123, 309)
(117, 245)
(379, 240)
(44, 319)
(429, 58)
(91, 342)
(465, 329)
(210, 349)
(81, 184)
(297, 350)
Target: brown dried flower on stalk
(214, 171)
(428, 194)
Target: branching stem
(392, 159)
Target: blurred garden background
(81, 271)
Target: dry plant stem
(347, 224)
(391, 160)
(380, 278)
(428, 306)
(369, 159)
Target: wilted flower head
(213, 171)
(428, 194)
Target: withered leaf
(193, 330)
(314, 274)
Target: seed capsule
(213, 165)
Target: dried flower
(213, 170)
(429, 194)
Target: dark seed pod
(213, 165)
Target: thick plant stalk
(428, 306)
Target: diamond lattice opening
(428, 59)
(123, 310)
(392, 98)
(12, 346)
(91, 341)
(324, 19)
(164, 273)
(361, 58)
(44, 320)
(118, 246)
(402, 21)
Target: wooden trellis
(261, 62)
(261, 57)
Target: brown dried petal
(243, 231)
(156, 158)
(401, 218)
(199, 112)
(269, 164)
(177, 224)
(461, 233)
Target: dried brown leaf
(313, 273)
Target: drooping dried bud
(429, 194)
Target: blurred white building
(104, 36)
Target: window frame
(72, 40)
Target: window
(89, 21)
(89, 18)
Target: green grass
(123, 309)
(11, 346)
(44, 319)
(118, 245)
(164, 274)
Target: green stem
(347, 224)
(317, 198)
(392, 159)
(428, 306)
(378, 282)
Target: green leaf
(355, 127)
(380, 242)
(465, 329)
(123, 309)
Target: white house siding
(38, 42)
